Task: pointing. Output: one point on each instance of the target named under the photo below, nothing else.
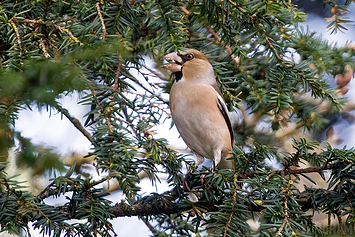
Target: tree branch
(47, 193)
(287, 172)
(146, 209)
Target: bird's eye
(189, 56)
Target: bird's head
(191, 64)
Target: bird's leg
(217, 153)
(200, 159)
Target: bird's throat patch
(178, 75)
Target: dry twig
(102, 21)
(17, 35)
(45, 52)
(69, 34)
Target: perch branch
(287, 172)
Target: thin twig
(118, 71)
(45, 216)
(75, 122)
(285, 205)
(69, 33)
(340, 221)
(17, 35)
(102, 21)
(45, 52)
(234, 202)
(99, 181)
(281, 227)
(268, 42)
(285, 221)
(151, 228)
(151, 92)
(157, 74)
(43, 194)
(39, 22)
(238, 7)
(28, 230)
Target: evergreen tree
(51, 48)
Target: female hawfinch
(198, 109)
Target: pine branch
(287, 172)
(159, 207)
(167, 207)
(47, 192)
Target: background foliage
(269, 70)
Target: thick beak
(176, 62)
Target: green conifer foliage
(51, 48)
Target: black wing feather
(222, 108)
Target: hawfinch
(198, 109)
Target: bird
(198, 109)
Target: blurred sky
(53, 130)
